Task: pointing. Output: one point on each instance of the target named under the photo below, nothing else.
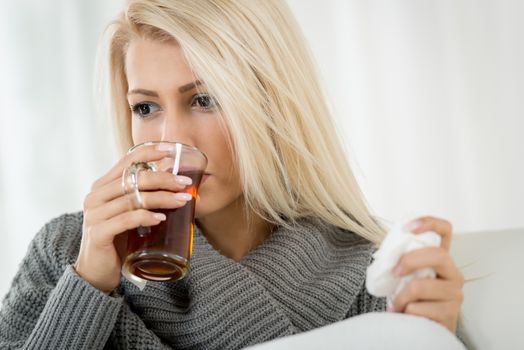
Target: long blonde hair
(254, 60)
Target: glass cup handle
(130, 188)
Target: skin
(155, 73)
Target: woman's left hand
(438, 299)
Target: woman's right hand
(109, 213)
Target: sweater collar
(312, 271)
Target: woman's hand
(108, 213)
(438, 299)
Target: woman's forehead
(156, 64)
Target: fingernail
(165, 147)
(412, 225)
(390, 309)
(182, 196)
(183, 180)
(397, 271)
(159, 216)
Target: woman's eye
(205, 102)
(144, 109)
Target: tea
(162, 252)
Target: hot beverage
(162, 252)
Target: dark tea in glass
(162, 252)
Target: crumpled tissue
(380, 280)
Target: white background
(426, 94)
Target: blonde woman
(283, 236)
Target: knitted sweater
(294, 281)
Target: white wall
(425, 94)
(52, 144)
(428, 95)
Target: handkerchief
(380, 280)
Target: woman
(283, 235)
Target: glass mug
(162, 252)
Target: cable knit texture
(294, 281)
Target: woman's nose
(176, 129)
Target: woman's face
(166, 106)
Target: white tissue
(380, 280)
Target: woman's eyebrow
(142, 92)
(189, 86)
(181, 89)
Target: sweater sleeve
(365, 303)
(48, 306)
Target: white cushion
(372, 331)
(493, 305)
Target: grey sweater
(294, 281)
